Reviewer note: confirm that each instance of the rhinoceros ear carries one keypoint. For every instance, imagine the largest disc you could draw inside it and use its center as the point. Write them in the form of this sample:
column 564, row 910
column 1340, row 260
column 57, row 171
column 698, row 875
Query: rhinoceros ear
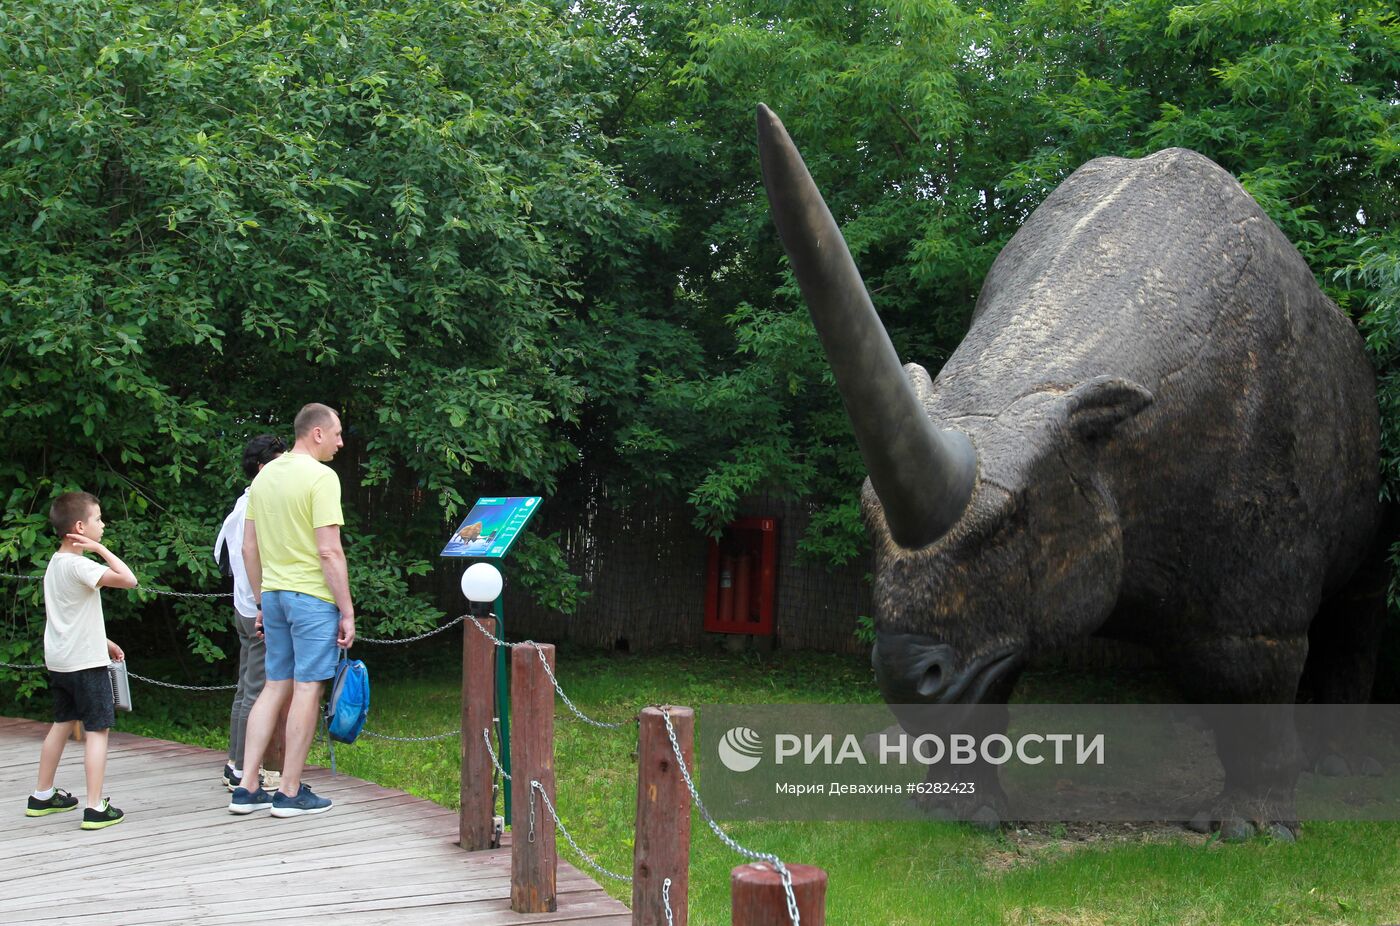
column 1098, row 406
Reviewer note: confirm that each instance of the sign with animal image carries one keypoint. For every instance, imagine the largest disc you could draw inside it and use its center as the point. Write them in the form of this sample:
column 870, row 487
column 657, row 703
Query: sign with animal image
column 491, row 527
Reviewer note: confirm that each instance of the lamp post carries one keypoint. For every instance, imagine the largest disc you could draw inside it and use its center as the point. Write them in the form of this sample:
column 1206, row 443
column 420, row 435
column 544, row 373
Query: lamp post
column 482, row 584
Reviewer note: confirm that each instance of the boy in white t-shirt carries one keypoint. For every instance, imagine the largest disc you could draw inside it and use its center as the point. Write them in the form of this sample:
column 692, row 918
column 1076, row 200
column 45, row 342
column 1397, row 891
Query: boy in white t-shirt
column 76, row 652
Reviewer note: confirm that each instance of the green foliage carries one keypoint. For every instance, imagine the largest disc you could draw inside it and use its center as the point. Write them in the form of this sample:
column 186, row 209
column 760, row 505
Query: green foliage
column 524, row 246
column 214, row 214
column 934, row 129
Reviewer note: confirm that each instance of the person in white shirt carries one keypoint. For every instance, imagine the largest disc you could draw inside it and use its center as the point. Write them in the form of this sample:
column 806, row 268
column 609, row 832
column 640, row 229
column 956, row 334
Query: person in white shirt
column 76, row 653
column 228, row 552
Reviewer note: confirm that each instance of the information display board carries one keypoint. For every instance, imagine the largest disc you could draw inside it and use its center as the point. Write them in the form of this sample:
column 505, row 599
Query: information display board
column 491, row 527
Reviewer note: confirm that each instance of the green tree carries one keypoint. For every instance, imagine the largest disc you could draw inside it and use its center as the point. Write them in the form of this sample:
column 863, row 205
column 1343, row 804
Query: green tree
column 934, row 128
column 215, row 213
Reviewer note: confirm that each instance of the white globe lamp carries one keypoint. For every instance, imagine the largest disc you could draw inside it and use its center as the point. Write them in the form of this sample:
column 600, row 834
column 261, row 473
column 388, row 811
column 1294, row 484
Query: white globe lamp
column 482, row 582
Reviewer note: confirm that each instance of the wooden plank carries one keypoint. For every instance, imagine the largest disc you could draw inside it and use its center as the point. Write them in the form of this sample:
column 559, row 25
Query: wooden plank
column 379, row 857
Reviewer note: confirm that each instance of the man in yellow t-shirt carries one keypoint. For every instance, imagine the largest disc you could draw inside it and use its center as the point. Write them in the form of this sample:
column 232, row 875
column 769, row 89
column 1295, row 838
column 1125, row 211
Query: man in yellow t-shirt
column 296, row 568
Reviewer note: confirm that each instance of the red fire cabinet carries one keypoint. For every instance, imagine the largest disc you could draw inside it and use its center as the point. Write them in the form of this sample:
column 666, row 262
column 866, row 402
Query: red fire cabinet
column 742, row 579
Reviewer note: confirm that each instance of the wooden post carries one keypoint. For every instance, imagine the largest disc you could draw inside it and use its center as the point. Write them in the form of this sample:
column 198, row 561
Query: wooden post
column 532, row 854
column 758, row 898
column 662, row 846
column 475, row 829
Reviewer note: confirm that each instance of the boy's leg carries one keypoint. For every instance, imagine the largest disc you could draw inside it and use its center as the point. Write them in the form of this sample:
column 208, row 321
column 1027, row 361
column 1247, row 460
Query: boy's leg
column 63, row 691
column 95, row 765
column 51, row 753
column 301, row 730
column 91, row 690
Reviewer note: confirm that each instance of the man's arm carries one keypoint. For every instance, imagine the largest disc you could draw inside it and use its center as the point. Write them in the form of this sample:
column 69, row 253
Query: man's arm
column 337, row 574
column 118, row 575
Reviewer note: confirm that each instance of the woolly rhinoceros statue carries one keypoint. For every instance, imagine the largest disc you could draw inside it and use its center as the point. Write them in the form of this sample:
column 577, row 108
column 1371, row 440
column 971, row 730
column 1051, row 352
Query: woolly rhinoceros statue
column 1157, row 429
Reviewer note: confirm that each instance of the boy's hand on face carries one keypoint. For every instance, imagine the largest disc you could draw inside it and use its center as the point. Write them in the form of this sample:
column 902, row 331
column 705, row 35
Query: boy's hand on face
column 83, row 542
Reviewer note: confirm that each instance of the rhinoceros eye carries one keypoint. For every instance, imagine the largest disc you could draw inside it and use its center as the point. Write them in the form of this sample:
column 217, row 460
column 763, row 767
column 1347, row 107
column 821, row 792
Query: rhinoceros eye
column 996, row 517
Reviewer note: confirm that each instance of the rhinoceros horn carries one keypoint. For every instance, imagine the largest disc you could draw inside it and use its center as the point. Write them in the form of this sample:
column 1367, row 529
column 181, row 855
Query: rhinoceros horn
column 922, row 474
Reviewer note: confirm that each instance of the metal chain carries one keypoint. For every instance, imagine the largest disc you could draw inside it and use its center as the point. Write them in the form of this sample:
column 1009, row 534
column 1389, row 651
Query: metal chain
column 138, row 588
column 411, row 739
column 152, row 681
column 422, row 636
column 11, row 665
column 536, row 786
column 167, row 591
column 550, row 672
column 577, row 713
column 488, row 635
column 723, row 836
column 666, row 900
column 486, row 736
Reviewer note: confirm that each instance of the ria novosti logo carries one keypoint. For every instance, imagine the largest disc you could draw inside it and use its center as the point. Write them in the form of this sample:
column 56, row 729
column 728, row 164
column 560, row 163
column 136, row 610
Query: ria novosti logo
column 740, row 749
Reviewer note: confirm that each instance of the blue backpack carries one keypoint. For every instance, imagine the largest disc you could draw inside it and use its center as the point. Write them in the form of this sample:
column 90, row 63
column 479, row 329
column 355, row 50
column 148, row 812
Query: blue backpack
column 349, row 703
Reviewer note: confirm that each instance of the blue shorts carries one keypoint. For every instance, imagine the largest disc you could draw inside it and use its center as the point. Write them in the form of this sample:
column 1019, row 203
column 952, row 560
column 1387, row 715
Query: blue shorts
column 300, row 631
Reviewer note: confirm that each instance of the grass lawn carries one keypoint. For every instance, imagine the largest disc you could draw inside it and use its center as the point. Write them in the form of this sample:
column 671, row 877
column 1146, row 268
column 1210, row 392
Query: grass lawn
column 880, row 873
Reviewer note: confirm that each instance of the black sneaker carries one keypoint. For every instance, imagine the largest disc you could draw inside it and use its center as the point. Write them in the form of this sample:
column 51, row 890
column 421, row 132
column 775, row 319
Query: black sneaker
column 58, row 803
column 103, row 818
column 231, row 780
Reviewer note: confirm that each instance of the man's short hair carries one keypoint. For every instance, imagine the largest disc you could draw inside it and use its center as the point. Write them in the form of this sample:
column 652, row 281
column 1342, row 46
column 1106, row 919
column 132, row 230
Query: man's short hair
column 311, row 416
column 261, row 450
column 70, row 508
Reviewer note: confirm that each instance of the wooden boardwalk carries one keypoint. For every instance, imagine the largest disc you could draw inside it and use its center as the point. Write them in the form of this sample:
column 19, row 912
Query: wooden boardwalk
column 378, row 857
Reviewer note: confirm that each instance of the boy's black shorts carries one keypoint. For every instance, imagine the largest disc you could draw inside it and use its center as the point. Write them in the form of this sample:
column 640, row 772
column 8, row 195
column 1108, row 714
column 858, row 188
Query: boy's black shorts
column 84, row 695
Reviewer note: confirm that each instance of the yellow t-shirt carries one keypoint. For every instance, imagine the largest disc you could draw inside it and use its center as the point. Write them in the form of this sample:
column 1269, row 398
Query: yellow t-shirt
column 75, row 635
column 289, row 499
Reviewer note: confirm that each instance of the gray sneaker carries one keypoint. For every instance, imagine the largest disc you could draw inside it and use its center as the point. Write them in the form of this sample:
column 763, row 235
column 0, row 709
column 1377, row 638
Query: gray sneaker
column 245, row 801
column 306, row 802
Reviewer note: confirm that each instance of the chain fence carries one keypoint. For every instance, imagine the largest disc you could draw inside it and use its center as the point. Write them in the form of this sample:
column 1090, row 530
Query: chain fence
column 486, row 735
column 550, row 672
column 137, row 588
column 422, row 636
column 724, row 837
column 412, row 739
column 535, row 787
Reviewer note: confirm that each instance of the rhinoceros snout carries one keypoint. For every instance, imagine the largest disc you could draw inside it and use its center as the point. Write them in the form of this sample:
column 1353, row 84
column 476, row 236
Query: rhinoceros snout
column 913, row 668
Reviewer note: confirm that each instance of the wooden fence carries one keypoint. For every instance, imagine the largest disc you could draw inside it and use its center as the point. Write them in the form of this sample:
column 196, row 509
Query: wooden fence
column 661, row 847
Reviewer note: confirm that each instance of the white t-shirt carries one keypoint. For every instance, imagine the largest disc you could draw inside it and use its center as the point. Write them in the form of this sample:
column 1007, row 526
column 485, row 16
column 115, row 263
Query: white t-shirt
column 231, row 536
column 75, row 635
